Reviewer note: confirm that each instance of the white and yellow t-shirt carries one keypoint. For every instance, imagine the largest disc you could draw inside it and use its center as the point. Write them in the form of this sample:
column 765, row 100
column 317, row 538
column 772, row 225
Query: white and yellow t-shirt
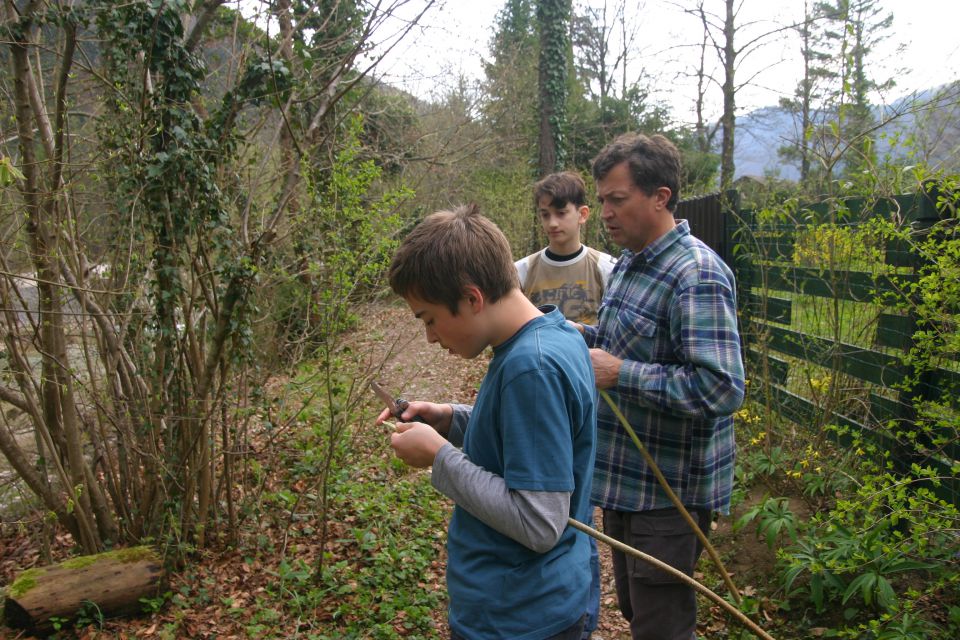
column 575, row 284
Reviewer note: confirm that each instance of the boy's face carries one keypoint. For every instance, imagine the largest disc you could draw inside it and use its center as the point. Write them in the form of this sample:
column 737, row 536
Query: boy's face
column 562, row 225
column 460, row 334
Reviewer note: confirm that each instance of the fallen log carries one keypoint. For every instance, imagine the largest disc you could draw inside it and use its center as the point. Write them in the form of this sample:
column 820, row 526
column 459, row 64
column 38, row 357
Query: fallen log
column 110, row 583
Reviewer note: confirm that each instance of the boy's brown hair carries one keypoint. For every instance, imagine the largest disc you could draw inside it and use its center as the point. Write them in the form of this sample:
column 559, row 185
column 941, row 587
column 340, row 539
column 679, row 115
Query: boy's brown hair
column 654, row 162
column 449, row 250
column 561, row 188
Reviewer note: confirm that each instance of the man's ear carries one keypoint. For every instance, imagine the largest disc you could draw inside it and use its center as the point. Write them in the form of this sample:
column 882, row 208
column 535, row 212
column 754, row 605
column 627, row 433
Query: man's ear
column 662, row 195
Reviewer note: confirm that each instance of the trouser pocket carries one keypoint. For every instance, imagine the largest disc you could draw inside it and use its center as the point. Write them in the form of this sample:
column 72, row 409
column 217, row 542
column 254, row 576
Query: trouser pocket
column 668, row 537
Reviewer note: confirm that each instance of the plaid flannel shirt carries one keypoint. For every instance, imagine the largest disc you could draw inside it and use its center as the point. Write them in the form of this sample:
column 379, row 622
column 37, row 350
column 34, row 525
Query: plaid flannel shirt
column 670, row 313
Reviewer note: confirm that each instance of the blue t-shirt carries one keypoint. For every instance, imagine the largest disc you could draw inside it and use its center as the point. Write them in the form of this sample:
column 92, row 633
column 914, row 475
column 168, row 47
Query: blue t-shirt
column 534, row 424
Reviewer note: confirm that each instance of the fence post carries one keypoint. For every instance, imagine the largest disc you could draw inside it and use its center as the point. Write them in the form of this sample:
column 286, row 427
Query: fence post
column 923, row 386
column 735, row 220
column 730, row 209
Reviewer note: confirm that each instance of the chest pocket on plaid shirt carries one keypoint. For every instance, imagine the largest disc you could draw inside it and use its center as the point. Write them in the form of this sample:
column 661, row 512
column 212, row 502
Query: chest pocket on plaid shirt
column 636, row 337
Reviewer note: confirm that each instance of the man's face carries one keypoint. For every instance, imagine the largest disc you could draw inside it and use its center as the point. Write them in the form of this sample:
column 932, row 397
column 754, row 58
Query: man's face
column 562, row 225
column 459, row 334
column 631, row 217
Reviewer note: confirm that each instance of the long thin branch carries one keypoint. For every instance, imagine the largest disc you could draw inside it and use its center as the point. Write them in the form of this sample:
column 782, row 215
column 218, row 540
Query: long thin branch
column 679, row 575
column 69, row 46
column 711, row 551
column 39, row 108
column 18, row 459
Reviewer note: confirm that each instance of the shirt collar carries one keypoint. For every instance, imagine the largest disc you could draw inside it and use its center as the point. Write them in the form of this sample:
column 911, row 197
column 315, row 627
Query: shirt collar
column 658, row 246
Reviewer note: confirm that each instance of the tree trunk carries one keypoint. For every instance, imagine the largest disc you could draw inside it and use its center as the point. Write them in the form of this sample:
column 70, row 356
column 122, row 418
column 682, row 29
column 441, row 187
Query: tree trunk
column 553, row 17
column 704, row 137
column 114, row 582
column 729, row 117
column 56, row 388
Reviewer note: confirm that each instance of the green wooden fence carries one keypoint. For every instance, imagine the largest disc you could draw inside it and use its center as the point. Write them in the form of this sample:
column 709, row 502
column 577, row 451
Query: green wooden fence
column 823, row 344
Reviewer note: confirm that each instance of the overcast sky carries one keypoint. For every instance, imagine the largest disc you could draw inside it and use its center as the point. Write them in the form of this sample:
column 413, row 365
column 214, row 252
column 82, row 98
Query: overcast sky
column 923, row 49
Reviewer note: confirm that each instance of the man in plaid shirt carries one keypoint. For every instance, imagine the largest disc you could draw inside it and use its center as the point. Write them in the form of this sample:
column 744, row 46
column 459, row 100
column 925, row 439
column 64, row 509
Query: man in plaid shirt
column 668, row 351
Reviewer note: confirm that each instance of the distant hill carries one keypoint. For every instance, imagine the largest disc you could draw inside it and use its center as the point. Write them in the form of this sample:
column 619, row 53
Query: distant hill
column 929, row 119
column 758, row 136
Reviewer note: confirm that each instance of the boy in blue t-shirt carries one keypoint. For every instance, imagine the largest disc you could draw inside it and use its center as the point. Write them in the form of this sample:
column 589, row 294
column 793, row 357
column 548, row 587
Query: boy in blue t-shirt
column 515, row 569
column 572, row 276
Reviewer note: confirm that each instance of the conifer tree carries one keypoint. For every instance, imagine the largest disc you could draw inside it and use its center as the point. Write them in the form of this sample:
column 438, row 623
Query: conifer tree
column 852, row 29
column 510, row 105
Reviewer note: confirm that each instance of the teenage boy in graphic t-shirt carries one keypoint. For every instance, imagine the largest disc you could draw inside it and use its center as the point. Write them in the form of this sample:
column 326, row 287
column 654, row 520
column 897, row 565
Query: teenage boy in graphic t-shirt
column 566, row 273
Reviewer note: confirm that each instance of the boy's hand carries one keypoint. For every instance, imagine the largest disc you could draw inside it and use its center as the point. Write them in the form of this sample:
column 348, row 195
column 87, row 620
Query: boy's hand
column 385, row 415
column 416, row 443
column 436, row 415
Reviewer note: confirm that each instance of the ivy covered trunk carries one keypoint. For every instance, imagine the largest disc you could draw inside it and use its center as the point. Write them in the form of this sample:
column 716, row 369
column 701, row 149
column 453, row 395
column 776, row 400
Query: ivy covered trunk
column 553, row 17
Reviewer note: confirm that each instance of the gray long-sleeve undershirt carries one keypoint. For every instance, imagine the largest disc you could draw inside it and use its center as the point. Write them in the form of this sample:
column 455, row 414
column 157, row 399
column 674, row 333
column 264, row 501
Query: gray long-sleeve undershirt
column 535, row 519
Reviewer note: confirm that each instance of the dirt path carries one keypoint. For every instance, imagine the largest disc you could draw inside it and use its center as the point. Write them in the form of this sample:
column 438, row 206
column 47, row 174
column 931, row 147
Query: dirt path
column 395, row 346
column 418, row 370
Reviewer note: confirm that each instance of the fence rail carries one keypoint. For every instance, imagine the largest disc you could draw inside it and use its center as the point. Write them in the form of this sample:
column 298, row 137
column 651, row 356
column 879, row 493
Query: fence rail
column 810, row 316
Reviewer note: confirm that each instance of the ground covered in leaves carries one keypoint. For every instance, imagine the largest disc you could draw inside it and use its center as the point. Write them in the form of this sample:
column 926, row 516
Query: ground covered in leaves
column 373, row 568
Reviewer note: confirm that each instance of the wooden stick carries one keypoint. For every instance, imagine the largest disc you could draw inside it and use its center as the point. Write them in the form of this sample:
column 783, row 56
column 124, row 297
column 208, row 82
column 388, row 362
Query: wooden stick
column 732, row 610
column 674, row 498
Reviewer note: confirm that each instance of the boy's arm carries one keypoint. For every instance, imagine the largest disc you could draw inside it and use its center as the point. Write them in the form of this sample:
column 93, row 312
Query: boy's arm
column 417, row 443
column 449, row 420
column 535, row 519
column 458, row 423
column 606, row 263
